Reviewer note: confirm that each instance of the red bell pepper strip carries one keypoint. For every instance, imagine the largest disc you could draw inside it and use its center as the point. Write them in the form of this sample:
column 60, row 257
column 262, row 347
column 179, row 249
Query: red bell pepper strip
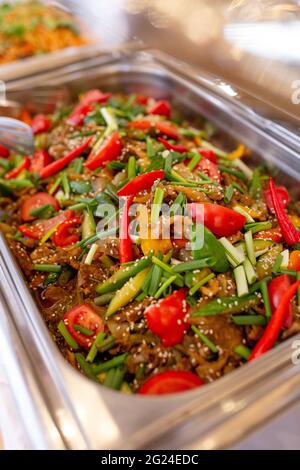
column 275, row 325
column 289, row 231
column 277, row 287
column 282, row 194
column 210, row 169
column 39, row 160
column 39, row 229
column 273, row 234
column 209, row 154
column 170, row 381
column 162, row 107
column 163, row 127
column 167, row 318
column 58, row 165
column 125, row 242
column 180, row 148
column 25, row 164
column 63, row 235
column 141, row 183
column 110, row 150
column 86, row 105
column 40, row 123
column 222, row 221
column 4, row 152
column 142, row 99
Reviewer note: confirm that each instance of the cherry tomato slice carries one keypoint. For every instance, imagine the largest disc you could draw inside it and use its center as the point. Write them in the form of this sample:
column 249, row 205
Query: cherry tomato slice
column 39, row 160
column 166, row 318
column 209, row 169
column 35, row 202
column 294, row 261
column 171, row 381
column 142, row 99
column 162, row 108
column 84, row 315
column 41, row 227
column 4, row 152
column 209, row 154
column 40, row 123
column 222, row 221
column 282, row 194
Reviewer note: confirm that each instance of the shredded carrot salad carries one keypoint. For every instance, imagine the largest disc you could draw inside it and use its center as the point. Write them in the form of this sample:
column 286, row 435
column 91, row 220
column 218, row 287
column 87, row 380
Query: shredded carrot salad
column 30, row 28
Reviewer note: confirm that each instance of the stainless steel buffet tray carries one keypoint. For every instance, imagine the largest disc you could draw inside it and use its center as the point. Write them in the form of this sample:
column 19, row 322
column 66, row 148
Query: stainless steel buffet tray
column 82, row 414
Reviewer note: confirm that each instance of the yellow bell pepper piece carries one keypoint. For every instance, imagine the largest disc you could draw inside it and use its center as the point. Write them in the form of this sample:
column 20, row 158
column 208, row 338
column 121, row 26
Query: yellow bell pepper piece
column 127, row 293
column 295, row 220
column 239, row 152
column 156, row 245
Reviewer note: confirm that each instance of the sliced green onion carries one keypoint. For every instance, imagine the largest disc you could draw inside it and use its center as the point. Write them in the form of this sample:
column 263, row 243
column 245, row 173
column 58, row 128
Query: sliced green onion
column 93, row 351
column 131, row 167
column 55, row 185
column 66, row 185
column 164, row 286
column 80, row 187
column 83, row 330
column 256, row 287
column 176, row 208
column 243, row 351
column 232, row 171
column 249, row 271
column 104, row 299
column 250, row 247
column 277, row 264
column 258, row 226
column 249, row 320
column 228, row 194
column 194, row 161
column 106, row 344
column 110, row 364
column 242, row 211
column 156, row 205
column 149, row 148
column 205, row 339
column 163, row 265
column 241, row 281
column 168, row 162
column 91, row 254
column 78, row 164
column 243, row 167
column 66, row 335
column 43, row 212
column 255, row 185
column 195, row 264
column 266, row 298
column 51, row 278
column 174, row 176
column 153, row 279
column 235, row 256
column 85, row 366
column 111, row 122
column 47, row 268
column 201, row 283
column 118, row 377
column 48, row 234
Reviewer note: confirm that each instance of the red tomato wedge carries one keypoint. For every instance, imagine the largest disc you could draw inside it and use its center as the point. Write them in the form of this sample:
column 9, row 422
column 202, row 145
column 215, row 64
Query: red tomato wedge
column 166, row 319
column 4, row 152
column 210, row 169
column 64, row 235
column 276, row 288
column 142, row 99
column 162, row 107
column 163, row 127
column 35, row 202
column 209, row 154
column 282, row 194
column 39, row 160
column 38, row 229
column 40, row 123
column 171, row 381
column 110, row 150
column 222, row 221
column 85, row 316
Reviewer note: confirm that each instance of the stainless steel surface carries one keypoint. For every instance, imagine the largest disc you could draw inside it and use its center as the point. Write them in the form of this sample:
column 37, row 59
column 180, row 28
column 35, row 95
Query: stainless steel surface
column 90, row 416
column 16, row 135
